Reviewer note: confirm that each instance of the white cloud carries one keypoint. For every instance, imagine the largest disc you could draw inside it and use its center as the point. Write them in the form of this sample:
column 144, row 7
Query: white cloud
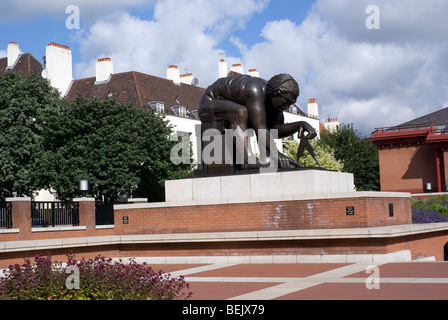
column 371, row 78
column 16, row 10
column 184, row 33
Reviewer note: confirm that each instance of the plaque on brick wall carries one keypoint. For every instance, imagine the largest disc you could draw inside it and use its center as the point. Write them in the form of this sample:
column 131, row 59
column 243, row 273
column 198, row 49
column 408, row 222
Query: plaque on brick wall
column 125, row 220
column 350, row 211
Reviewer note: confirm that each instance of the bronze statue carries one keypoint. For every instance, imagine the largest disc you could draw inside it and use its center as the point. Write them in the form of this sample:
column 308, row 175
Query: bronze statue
column 250, row 102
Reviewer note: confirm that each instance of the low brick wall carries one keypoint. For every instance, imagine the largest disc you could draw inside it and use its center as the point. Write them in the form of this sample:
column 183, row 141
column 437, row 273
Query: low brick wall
column 365, row 210
column 316, row 226
column 373, row 245
column 428, row 196
column 22, row 229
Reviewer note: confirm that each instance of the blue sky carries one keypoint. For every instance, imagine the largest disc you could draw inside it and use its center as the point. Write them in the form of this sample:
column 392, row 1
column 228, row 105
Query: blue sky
column 34, row 32
column 371, row 78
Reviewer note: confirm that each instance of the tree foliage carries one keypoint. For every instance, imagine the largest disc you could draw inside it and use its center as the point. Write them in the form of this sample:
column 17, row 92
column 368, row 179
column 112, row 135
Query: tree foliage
column 324, row 154
column 23, row 100
column 120, row 148
column 48, row 142
column 358, row 156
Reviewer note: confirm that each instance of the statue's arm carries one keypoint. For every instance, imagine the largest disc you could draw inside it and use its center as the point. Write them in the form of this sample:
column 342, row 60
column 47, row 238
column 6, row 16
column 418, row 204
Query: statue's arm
column 288, row 129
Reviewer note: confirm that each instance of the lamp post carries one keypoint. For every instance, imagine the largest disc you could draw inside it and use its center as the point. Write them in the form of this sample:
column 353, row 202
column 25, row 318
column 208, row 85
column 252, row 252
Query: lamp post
column 83, row 187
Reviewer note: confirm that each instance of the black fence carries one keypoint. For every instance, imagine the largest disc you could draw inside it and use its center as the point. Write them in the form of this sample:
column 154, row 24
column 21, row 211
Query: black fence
column 5, row 215
column 104, row 212
column 55, row 213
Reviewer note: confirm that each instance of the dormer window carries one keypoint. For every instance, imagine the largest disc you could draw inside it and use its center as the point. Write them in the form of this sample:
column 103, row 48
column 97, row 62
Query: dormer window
column 196, row 114
column 293, row 109
column 157, row 106
column 181, row 111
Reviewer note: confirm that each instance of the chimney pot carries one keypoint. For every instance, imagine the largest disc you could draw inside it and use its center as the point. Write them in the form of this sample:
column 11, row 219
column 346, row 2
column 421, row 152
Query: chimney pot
column 237, row 67
column 173, row 74
column 59, row 66
column 12, row 54
column 104, row 68
column 313, row 109
column 253, row 73
column 222, row 69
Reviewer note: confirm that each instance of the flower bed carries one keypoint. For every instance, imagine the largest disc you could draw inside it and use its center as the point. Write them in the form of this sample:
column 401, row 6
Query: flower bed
column 92, row 279
column 429, row 211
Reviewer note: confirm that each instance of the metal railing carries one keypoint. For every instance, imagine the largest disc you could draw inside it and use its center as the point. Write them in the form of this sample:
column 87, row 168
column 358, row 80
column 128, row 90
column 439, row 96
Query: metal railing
column 428, row 126
column 54, row 213
column 5, row 215
column 104, row 212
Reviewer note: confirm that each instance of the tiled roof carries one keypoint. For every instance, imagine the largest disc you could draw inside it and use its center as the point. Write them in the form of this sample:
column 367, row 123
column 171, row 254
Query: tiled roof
column 25, row 64
column 436, row 118
column 139, row 88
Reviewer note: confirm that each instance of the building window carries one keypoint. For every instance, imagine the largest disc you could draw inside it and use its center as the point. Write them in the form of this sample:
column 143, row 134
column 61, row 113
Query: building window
column 293, row 109
column 157, row 106
column 181, row 111
column 196, row 114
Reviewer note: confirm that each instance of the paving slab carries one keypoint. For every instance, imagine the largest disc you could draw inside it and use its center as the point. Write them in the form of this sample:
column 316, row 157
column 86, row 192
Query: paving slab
column 315, row 281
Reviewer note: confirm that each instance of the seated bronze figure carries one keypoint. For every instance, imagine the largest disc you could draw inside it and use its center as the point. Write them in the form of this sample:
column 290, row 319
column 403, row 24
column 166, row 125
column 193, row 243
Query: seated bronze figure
column 248, row 102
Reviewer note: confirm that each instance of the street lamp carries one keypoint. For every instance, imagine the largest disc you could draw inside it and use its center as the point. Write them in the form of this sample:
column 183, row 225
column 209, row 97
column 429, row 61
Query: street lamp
column 84, row 187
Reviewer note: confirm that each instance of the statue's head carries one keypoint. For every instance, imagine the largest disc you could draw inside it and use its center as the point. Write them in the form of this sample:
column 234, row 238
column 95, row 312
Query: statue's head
column 282, row 90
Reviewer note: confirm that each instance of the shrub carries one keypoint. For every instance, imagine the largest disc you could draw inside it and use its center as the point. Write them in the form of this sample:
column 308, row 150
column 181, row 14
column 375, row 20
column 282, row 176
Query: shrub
column 431, row 210
column 427, row 216
column 99, row 279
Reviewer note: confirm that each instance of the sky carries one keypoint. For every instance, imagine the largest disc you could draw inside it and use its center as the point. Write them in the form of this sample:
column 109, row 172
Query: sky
column 371, row 68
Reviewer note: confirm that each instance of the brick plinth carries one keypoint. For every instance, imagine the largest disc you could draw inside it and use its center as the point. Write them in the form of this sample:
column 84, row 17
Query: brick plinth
column 87, row 214
column 357, row 211
column 21, row 217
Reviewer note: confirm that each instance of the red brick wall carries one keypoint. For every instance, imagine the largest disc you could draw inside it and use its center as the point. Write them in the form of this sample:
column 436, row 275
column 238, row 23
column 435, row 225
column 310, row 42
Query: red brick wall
column 424, row 245
column 21, row 215
column 262, row 216
column 259, row 216
column 407, row 168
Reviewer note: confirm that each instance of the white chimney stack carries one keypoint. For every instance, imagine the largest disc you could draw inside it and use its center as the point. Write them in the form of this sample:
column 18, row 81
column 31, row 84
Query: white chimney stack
column 59, row 66
column 173, row 74
column 186, row 78
column 331, row 124
column 13, row 53
column 253, row 73
column 222, row 68
column 238, row 68
column 104, row 69
column 313, row 109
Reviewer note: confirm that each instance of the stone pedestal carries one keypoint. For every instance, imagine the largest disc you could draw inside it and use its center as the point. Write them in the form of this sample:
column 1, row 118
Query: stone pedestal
column 259, row 185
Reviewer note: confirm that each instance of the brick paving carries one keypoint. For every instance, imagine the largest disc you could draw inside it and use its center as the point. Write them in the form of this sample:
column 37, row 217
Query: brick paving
column 332, row 281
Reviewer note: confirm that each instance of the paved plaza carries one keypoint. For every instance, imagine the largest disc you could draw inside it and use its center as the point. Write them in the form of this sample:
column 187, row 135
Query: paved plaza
column 309, row 281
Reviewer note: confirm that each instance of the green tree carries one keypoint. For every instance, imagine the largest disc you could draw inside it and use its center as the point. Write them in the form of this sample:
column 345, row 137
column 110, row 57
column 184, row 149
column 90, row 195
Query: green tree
column 23, row 100
column 358, row 156
column 120, row 148
column 324, row 153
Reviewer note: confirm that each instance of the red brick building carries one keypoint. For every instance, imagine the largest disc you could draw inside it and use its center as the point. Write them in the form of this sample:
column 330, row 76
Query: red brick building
column 413, row 156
